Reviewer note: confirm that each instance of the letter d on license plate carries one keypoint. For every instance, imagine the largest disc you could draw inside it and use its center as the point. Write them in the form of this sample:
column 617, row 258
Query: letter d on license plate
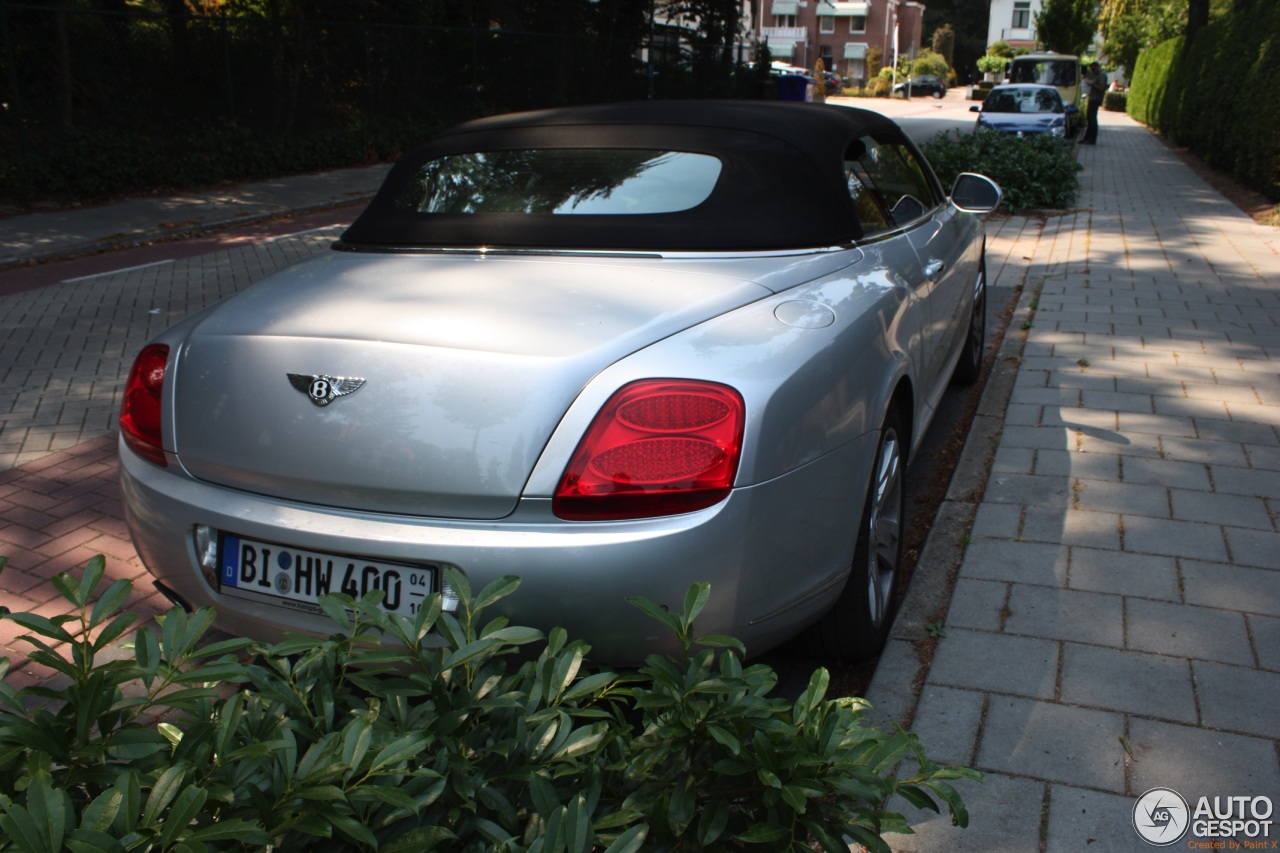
column 296, row 577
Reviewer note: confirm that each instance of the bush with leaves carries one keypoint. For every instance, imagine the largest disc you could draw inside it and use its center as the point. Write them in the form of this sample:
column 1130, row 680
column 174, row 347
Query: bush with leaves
column 992, row 63
column 433, row 732
column 1037, row 172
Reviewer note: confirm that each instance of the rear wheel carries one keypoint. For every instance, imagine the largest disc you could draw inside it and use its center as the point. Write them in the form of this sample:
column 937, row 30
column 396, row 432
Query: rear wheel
column 857, row 627
column 970, row 366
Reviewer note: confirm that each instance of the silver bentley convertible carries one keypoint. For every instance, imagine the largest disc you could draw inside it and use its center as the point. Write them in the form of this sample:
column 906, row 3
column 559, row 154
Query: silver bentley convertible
column 613, row 350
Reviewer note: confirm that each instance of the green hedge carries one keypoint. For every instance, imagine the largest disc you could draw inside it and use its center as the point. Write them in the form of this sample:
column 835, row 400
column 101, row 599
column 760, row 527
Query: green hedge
column 1038, row 172
column 1219, row 98
column 462, row 733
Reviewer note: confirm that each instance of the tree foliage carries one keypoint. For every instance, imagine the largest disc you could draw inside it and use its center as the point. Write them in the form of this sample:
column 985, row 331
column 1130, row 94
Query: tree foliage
column 1178, row 90
column 944, row 43
column 1130, row 26
column 968, row 20
column 929, row 63
column 1067, row 26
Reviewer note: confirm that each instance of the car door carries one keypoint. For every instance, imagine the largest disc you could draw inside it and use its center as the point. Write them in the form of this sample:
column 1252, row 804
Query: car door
column 915, row 204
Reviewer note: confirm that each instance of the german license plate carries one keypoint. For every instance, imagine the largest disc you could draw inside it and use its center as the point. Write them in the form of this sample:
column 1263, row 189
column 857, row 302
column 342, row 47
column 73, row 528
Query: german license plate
column 296, row 577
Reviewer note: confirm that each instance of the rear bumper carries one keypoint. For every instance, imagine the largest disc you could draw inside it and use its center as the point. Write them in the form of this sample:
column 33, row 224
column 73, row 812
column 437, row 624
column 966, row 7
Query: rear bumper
column 775, row 554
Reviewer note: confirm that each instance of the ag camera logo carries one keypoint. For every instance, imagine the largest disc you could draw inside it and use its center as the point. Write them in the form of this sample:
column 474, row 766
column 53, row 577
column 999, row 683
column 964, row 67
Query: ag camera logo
column 1160, row 817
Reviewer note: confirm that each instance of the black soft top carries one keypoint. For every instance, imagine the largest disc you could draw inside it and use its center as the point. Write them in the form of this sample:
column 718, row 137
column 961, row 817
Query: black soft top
column 781, row 185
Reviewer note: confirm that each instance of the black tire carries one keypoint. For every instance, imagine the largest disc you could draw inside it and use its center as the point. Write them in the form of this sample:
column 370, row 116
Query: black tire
column 969, row 367
column 858, row 626
column 937, row 93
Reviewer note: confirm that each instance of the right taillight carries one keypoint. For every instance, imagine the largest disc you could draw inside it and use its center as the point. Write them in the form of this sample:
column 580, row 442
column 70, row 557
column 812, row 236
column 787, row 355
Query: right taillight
column 140, row 414
column 658, row 447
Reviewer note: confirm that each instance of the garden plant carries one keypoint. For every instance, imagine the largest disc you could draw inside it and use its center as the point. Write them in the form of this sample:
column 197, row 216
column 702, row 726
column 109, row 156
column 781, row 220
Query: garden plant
column 447, row 730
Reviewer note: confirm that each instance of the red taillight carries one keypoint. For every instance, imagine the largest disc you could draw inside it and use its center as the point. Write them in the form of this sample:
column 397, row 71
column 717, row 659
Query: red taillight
column 658, row 447
column 140, row 412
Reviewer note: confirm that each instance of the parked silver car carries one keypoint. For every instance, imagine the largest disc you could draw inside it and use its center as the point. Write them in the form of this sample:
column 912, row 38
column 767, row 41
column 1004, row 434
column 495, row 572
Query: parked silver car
column 613, row 350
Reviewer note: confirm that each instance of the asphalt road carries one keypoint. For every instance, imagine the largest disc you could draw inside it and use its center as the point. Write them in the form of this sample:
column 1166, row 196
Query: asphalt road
column 922, row 118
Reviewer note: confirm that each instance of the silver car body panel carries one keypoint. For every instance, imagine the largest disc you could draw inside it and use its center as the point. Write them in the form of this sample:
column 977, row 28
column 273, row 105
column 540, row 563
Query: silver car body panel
column 468, row 363
column 767, row 578
column 815, row 393
column 482, row 371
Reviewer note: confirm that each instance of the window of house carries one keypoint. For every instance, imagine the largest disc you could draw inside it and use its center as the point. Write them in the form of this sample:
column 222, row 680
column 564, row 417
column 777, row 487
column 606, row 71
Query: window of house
column 826, row 24
column 1021, row 14
column 858, row 24
column 784, row 20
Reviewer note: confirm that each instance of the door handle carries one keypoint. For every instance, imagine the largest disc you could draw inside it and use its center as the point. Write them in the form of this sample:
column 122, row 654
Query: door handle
column 933, row 269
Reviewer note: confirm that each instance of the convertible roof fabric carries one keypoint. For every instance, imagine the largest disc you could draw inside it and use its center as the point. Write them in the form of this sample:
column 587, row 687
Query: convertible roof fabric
column 781, row 185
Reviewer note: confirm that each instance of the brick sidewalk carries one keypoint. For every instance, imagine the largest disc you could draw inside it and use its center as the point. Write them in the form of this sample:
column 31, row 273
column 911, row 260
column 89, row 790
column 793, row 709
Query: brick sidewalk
column 57, row 513
column 1111, row 532
column 66, row 351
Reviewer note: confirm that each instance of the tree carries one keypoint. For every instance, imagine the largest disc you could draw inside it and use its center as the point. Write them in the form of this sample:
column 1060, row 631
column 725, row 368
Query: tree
column 929, row 64
column 944, row 43
column 1197, row 17
column 875, row 61
column 1067, row 26
column 1130, row 26
column 968, row 20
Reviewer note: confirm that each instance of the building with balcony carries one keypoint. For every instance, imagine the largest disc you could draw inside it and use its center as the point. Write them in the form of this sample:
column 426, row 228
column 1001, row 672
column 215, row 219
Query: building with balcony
column 840, row 34
column 1013, row 21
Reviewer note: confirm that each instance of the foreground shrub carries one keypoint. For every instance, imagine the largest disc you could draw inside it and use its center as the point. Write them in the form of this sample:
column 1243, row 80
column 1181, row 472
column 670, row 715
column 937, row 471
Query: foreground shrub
column 473, row 744
column 1036, row 172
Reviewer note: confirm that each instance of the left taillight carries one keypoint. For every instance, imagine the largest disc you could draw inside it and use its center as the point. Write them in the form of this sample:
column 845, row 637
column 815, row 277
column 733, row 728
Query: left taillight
column 140, row 414
column 657, row 447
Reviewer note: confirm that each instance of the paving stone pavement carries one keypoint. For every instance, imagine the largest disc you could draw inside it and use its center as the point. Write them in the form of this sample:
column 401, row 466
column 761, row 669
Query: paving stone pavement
column 65, row 353
column 1111, row 532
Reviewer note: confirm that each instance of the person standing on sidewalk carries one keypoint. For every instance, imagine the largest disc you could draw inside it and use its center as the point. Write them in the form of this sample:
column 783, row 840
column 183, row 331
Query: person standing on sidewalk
column 1096, row 80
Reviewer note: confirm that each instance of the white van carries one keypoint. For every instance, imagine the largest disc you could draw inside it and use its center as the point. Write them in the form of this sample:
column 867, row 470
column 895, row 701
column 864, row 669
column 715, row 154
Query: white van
column 1060, row 70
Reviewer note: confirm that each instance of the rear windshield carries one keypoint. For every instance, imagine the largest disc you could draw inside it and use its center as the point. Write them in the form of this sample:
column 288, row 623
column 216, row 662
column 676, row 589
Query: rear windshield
column 561, row 181
column 1046, row 72
column 1023, row 101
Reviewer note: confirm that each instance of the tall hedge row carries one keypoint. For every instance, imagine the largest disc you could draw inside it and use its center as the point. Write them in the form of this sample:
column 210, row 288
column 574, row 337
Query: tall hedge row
column 1219, row 98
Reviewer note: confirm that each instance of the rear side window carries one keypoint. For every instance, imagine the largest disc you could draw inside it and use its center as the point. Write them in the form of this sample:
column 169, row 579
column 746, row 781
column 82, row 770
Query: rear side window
column 891, row 175
column 562, row 181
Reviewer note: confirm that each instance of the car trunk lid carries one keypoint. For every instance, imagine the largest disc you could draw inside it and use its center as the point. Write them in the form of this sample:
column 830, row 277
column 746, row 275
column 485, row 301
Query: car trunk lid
column 466, row 364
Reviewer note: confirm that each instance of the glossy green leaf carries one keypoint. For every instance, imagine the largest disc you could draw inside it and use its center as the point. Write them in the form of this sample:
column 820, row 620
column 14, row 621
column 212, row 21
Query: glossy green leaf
column 84, row 840
column 418, row 839
column 657, row 611
column 352, row 829
column 42, row 626
column 763, row 833
column 630, row 841
column 108, row 603
column 186, row 806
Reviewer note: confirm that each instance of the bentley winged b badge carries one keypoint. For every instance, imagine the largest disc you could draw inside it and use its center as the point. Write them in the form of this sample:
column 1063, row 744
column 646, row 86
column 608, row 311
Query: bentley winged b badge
column 322, row 389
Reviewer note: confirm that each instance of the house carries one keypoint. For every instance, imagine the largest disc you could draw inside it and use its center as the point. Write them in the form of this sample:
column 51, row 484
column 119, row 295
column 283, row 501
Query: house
column 1013, row 21
column 803, row 31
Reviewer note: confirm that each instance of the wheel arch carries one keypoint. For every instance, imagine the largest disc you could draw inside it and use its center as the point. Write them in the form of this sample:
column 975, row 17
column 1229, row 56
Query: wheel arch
column 902, row 403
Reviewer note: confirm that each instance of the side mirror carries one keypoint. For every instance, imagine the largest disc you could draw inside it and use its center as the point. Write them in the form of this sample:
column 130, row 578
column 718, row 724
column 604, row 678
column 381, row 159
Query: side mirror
column 976, row 193
column 1071, row 108
column 975, row 109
